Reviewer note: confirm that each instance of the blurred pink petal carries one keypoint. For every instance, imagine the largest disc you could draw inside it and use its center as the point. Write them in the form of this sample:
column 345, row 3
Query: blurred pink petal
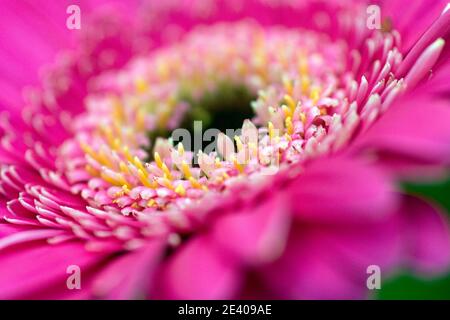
column 404, row 138
column 427, row 238
column 259, row 233
column 341, row 190
column 114, row 283
column 38, row 271
column 198, row 271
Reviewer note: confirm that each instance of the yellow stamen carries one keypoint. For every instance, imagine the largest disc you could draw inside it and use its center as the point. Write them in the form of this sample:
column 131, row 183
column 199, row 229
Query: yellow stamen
column 289, row 125
column 239, row 144
column 288, row 137
column 118, row 114
column 305, row 83
column 303, row 65
column 116, row 144
column 237, row 165
column 104, row 160
column 141, row 85
column 158, row 160
column 315, row 95
column 138, row 163
column 166, row 183
column 302, row 117
column 117, row 127
column 186, row 170
column 287, row 85
column 180, row 149
column 166, row 171
column 287, row 112
column 290, row 102
column 140, row 119
column 119, row 180
column 99, row 157
column 127, row 154
column 125, row 189
column 117, row 195
column 180, row 190
column 218, row 164
column 143, row 178
column 195, row 183
column 107, row 133
column 124, row 168
column 271, row 130
column 92, row 172
column 253, row 148
column 163, row 70
column 88, row 150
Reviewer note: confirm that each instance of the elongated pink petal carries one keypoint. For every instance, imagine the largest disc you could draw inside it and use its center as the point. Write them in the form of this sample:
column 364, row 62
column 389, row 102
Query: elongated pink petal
column 38, row 271
column 256, row 233
column 427, row 237
column 197, row 271
column 313, row 268
column 424, row 63
column 415, row 130
column 335, row 262
column 440, row 28
column 341, row 190
column 28, row 236
column 115, row 283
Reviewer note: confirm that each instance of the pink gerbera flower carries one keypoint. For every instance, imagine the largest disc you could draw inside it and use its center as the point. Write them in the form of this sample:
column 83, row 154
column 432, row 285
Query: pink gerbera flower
column 299, row 203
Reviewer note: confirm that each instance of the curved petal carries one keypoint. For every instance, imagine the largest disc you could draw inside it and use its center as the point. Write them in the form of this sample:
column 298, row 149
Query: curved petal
column 197, row 271
column 128, row 276
column 302, row 272
column 39, row 270
column 257, row 233
column 333, row 262
column 34, row 36
column 427, row 237
column 333, row 17
column 413, row 133
column 341, row 190
column 413, row 18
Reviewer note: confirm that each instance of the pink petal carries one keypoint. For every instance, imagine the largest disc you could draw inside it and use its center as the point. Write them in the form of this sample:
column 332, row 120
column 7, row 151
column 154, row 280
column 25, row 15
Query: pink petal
column 425, row 62
column 38, row 271
column 197, row 271
column 427, row 237
column 414, row 131
column 256, row 233
column 128, row 276
column 34, row 34
column 28, row 236
column 439, row 81
column 331, row 262
column 430, row 23
column 341, row 190
column 308, row 270
column 7, row 229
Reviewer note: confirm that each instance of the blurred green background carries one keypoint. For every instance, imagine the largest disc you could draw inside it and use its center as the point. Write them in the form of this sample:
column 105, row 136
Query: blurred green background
column 405, row 285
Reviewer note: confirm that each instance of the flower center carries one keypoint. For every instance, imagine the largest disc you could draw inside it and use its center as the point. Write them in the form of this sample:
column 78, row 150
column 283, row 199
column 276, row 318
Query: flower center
column 289, row 104
column 221, row 108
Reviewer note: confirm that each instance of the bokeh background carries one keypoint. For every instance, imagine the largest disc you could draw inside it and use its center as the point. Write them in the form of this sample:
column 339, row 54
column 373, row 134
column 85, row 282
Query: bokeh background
column 405, row 285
